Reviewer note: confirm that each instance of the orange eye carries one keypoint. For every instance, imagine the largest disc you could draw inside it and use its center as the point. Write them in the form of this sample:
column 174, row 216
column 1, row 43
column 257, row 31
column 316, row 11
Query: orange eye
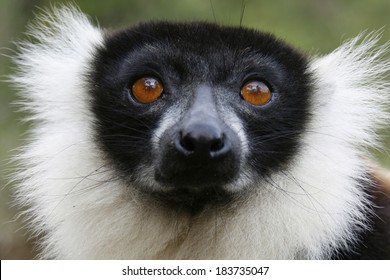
column 256, row 92
column 147, row 90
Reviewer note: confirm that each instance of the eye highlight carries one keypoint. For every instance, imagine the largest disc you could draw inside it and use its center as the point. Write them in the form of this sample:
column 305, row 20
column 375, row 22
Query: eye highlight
column 147, row 89
column 256, row 92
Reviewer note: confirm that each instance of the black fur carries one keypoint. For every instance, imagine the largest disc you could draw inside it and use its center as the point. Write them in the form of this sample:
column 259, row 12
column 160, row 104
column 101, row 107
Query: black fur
column 185, row 56
column 372, row 243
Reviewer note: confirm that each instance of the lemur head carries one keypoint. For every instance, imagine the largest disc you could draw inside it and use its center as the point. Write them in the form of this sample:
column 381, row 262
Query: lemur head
column 196, row 113
column 194, row 140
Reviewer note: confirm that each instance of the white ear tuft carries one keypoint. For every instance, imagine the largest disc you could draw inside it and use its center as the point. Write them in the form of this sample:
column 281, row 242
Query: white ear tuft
column 51, row 65
column 353, row 91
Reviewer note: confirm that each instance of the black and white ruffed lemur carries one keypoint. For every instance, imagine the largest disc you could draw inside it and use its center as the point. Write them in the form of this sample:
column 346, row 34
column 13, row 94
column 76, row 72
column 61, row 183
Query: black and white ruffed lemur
column 199, row 141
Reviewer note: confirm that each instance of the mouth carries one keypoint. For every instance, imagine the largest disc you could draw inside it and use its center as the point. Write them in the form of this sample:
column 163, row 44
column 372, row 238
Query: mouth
column 191, row 182
column 193, row 200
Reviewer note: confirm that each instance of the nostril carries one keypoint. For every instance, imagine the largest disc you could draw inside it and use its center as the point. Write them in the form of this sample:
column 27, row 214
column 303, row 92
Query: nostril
column 187, row 142
column 217, row 144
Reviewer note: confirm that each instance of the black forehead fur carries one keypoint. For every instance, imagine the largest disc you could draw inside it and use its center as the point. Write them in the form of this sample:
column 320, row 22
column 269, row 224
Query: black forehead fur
column 184, row 54
column 200, row 43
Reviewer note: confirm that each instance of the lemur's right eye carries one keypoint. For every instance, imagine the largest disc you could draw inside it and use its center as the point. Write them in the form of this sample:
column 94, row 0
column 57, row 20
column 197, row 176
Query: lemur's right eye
column 256, row 92
column 147, row 89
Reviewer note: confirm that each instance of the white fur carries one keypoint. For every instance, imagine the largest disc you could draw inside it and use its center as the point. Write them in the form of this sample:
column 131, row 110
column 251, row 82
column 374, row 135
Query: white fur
column 84, row 211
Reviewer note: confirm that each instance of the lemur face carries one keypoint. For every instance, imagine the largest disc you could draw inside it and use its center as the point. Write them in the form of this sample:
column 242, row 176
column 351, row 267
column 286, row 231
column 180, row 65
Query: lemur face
column 195, row 114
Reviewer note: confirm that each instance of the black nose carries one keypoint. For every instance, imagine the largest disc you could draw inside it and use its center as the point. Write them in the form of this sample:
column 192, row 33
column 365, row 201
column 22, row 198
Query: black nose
column 202, row 139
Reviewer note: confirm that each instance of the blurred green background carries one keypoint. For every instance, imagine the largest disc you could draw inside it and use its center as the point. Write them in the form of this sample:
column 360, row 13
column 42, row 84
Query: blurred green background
column 315, row 26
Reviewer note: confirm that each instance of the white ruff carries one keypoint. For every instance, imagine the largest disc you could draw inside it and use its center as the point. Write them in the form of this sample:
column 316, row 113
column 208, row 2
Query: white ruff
column 85, row 212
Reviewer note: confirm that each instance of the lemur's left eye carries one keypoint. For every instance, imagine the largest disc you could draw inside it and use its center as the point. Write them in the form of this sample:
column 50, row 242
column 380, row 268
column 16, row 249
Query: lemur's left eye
column 256, row 92
column 147, row 89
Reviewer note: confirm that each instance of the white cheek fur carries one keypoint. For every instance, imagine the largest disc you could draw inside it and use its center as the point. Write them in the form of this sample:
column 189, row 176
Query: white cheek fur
column 84, row 211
